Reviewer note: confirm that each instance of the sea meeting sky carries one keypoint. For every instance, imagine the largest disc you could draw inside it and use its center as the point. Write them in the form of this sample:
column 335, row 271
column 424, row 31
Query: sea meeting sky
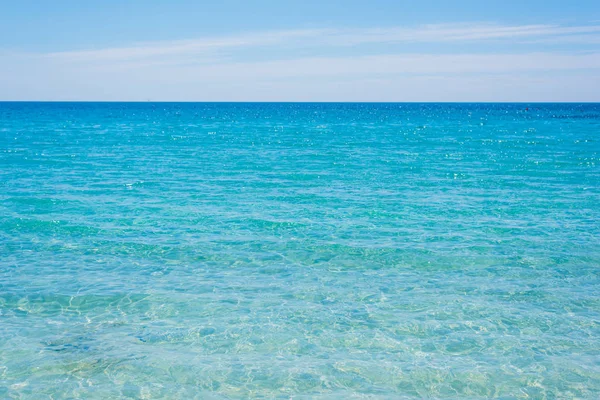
column 309, row 50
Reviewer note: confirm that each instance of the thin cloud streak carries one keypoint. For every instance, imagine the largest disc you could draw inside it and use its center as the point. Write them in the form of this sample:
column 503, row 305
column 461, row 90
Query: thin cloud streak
column 307, row 68
column 393, row 64
column 188, row 46
column 324, row 38
column 455, row 33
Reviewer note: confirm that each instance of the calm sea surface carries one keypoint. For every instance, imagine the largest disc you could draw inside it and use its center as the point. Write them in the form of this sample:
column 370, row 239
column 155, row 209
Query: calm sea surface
column 214, row 251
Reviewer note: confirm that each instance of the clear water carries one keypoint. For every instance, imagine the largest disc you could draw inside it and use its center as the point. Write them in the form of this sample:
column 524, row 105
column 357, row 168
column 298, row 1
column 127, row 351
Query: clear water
column 220, row 251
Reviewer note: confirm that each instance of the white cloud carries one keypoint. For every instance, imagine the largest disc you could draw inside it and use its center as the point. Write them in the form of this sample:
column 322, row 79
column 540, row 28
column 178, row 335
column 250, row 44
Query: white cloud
column 324, row 38
column 453, row 33
column 396, row 64
column 220, row 68
column 192, row 46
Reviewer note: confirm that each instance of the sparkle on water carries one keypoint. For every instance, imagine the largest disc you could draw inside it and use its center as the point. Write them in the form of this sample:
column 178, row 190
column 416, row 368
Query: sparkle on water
column 299, row 250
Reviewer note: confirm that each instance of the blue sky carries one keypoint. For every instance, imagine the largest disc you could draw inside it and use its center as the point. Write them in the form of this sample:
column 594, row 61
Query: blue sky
column 231, row 50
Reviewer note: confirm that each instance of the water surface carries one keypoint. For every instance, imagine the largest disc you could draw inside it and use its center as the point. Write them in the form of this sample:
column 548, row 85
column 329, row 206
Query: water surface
column 214, row 251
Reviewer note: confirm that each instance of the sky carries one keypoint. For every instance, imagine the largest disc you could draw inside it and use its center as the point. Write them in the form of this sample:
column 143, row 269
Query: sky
column 266, row 50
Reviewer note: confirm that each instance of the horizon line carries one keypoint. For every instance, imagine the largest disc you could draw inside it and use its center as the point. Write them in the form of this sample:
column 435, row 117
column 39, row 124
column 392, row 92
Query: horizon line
column 299, row 102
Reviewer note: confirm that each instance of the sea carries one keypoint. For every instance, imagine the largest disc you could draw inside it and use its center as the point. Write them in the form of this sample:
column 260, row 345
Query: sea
column 299, row 251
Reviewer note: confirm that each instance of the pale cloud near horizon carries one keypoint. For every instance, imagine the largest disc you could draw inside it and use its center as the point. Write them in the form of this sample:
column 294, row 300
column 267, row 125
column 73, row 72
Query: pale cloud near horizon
column 322, row 64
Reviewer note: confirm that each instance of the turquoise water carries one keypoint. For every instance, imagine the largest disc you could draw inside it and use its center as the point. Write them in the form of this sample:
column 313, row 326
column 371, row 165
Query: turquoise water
column 301, row 251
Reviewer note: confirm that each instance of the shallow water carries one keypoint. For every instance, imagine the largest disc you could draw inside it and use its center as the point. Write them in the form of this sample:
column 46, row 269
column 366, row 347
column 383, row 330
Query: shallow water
column 216, row 251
